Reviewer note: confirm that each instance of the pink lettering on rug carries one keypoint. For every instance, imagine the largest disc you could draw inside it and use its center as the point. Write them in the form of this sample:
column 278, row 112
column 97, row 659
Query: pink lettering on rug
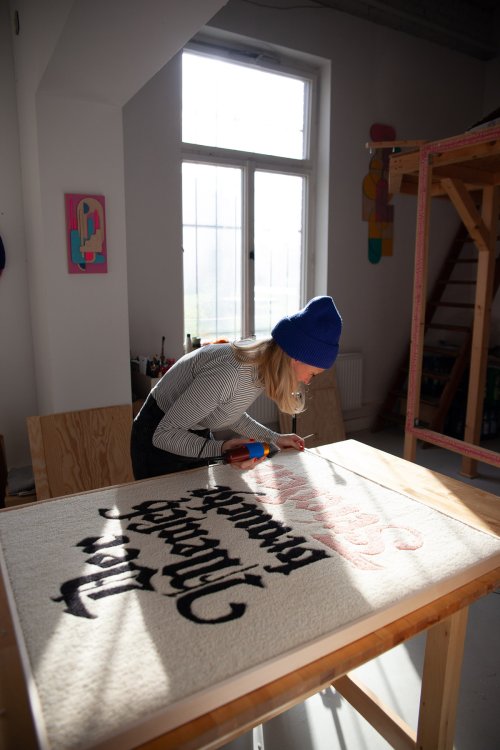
column 359, row 537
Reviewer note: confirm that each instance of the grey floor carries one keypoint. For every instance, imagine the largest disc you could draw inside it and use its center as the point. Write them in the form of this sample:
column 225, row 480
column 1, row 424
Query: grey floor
column 327, row 722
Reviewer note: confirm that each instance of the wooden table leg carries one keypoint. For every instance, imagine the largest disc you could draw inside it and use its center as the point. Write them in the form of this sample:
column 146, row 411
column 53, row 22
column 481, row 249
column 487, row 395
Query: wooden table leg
column 16, row 724
column 441, row 683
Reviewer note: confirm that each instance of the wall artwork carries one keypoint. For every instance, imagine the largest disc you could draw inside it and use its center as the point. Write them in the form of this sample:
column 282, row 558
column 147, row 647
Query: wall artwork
column 377, row 210
column 86, row 233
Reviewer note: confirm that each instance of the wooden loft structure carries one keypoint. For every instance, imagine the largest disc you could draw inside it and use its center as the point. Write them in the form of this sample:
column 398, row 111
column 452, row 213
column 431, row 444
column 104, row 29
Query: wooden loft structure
column 465, row 169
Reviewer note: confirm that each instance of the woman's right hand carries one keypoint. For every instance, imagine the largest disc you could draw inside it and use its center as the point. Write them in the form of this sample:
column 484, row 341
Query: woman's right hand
column 233, row 443
column 251, row 463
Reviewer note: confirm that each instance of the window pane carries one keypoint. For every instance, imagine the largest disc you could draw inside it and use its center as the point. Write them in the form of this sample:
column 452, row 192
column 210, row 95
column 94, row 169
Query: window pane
column 278, row 247
column 241, row 107
column 212, row 237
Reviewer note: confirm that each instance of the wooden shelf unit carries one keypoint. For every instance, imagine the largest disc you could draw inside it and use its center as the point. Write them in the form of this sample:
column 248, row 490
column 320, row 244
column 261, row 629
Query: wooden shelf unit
column 449, row 314
column 466, row 169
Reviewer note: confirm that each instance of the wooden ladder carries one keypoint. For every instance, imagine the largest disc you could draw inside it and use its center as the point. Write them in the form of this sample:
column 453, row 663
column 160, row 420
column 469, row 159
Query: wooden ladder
column 444, row 363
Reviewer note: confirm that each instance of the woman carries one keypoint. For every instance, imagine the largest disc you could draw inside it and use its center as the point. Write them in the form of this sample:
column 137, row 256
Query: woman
column 210, row 389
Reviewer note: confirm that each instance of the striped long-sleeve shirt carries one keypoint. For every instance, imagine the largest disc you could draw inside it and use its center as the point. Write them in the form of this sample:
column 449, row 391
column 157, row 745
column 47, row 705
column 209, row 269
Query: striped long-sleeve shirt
column 208, row 388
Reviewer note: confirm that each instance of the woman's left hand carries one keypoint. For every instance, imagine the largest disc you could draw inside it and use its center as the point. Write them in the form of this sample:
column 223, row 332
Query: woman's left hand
column 290, row 441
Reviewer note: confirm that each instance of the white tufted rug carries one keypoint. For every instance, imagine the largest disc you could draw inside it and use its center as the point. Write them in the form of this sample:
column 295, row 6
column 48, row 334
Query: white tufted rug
column 142, row 607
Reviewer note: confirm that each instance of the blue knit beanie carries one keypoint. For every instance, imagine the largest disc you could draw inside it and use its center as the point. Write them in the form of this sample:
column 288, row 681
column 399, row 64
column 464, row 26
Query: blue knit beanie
column 311, row 335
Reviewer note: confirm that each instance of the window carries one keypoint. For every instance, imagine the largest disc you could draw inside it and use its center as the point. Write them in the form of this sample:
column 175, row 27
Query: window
column 246, row 186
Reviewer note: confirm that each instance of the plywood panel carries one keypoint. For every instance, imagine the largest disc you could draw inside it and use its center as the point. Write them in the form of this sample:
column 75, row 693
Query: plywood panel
column 81, row 450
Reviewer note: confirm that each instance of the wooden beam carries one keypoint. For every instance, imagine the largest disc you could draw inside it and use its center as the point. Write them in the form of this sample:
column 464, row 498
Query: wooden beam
column 468, row 212
column 481, row 330
column 408, row 164
column 397, row 732
column 441, row 683
column 395, row 182
column 467, row 153
column 393, row 144
column 475, row 452
column 419, row 302
column 408, row 185
column 465, row 140
column 467, row 175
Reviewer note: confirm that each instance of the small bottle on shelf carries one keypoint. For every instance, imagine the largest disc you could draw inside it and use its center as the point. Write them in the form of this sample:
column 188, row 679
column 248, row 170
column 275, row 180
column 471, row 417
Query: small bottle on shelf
column 188, row 345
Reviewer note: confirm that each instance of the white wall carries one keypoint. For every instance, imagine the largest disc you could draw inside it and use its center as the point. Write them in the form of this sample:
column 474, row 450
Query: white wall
column 375, row 75
column 80, row 322
column 152, row 133
column 76, row 63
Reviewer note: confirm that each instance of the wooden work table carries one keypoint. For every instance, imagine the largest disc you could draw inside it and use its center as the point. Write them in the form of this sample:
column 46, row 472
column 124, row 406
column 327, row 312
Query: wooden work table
column 444, row 618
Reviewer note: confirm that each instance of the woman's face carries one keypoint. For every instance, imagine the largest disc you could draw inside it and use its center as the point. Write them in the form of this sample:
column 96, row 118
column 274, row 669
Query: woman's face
column 305, row 373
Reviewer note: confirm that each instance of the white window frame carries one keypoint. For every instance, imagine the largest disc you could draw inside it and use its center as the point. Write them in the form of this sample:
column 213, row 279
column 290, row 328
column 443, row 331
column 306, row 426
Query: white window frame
column 250, row 162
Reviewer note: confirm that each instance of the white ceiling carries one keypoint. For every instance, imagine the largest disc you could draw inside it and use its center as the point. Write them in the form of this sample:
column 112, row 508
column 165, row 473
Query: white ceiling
column 468, row 26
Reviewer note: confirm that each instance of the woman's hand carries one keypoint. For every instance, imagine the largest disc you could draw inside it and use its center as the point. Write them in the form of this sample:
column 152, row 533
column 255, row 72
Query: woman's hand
column 227, row 445
column 290, row 441
column 241, row 465
column 284, row 441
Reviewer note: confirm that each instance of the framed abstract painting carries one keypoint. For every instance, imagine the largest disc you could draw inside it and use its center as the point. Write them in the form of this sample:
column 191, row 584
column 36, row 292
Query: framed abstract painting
column 86, row 233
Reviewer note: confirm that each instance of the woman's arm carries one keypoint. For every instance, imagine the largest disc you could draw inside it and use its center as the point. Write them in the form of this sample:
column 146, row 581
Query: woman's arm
column 200, row 399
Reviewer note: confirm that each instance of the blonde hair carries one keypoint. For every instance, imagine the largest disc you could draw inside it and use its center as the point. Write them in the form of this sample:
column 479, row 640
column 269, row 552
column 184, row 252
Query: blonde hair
column 274, row 372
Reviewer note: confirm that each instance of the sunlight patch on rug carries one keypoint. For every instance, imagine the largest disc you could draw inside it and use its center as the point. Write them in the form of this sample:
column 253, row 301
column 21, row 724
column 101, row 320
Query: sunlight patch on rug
column 144, row 606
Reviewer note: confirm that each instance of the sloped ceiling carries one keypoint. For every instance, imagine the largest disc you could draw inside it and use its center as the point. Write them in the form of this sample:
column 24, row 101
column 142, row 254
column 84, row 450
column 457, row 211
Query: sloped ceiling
column 108, row 50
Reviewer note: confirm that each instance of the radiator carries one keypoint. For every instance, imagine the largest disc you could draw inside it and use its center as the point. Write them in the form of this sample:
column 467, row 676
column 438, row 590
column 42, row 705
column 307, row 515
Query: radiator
column 349, row 371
